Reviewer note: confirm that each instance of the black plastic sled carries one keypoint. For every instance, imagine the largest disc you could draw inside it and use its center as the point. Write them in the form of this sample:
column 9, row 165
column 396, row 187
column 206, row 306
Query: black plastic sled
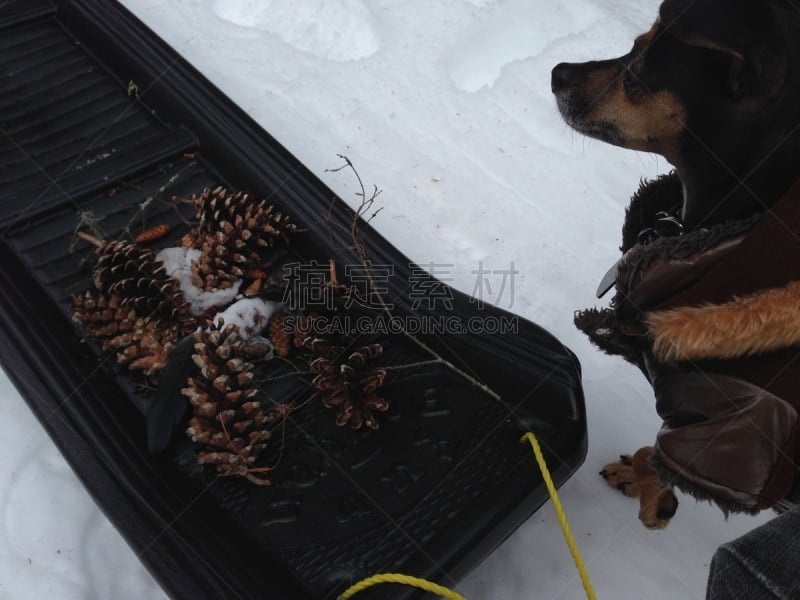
column 101, row 123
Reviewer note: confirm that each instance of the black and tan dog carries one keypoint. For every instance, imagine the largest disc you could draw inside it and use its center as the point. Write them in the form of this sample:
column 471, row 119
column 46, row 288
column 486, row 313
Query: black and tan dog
column 714, row 87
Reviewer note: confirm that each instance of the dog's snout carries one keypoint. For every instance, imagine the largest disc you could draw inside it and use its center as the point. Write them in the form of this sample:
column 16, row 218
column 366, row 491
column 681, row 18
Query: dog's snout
column 564, row 75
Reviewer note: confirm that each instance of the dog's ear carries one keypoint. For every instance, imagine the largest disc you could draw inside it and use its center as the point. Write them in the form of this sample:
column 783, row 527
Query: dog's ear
column 732, row 26
column 744, row 30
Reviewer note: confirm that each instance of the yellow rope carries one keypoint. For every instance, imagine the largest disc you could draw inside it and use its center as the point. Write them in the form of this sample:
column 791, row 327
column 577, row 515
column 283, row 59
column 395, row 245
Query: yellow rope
column 429, row 586
column 423, row 584
column 562, row 517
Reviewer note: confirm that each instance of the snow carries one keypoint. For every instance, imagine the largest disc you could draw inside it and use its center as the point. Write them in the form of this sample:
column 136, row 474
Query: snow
column 336, row 30
column 446, row 106
column 249, row 315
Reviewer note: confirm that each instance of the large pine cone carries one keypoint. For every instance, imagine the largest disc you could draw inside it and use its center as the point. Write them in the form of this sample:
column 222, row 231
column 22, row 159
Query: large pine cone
column 138, row 310
column 228, row 420
column 142, row 283
column 236, row 233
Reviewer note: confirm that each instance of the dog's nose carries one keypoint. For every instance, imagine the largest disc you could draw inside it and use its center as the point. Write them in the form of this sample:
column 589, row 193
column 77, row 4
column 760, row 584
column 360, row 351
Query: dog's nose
column 564, row 75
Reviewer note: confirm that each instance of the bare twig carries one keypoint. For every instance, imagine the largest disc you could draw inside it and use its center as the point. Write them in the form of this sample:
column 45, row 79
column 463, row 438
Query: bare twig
column 364, row 207
column 360, row 248
column 285, row 375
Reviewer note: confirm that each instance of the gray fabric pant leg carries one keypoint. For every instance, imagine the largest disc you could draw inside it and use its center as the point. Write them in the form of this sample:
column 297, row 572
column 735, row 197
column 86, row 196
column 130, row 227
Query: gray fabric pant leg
column 763, row 564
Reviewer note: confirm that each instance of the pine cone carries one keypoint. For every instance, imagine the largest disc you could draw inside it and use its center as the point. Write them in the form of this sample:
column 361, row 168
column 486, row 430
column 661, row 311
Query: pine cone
column 142, row 283
column 141, row 344
column 346, row 385
column 281, row 339
column 104, row 316
column 138, row 310
column 286, row 339
column 302, row 337
column 228, row 421
column 146, row 348
column 220, row 210
column 217, row 268
column 236, row 233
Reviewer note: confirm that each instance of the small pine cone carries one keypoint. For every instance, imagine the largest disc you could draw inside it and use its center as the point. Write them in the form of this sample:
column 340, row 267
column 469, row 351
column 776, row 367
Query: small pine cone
column 286, row 338
column 302, row 332
column 347, row 386
column 281, row 338
column 228, row 421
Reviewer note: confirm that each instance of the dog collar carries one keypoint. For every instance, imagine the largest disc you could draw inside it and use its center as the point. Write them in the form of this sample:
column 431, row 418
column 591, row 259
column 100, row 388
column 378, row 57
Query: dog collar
column 666, row 225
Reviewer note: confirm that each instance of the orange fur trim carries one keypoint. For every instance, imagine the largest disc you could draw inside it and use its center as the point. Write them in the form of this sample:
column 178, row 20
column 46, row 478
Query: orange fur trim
column 761, row 322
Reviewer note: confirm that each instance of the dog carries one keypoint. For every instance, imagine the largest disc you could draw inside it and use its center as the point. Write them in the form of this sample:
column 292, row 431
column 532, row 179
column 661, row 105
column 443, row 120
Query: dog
column 713, row 87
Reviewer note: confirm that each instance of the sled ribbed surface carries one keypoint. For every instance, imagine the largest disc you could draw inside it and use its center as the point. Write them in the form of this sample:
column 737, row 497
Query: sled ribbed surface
column 96, row 137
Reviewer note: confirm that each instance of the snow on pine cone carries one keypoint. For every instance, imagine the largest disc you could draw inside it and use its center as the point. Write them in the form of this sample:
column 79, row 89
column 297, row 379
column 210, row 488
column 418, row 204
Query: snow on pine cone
column 236, row 234
column 228, row 421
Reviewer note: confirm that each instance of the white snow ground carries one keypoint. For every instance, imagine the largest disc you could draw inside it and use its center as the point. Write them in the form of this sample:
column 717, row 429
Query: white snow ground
column 446, row 106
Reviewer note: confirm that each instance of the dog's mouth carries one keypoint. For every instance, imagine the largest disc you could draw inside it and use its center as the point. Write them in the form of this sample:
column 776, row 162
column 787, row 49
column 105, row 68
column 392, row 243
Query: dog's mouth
column 573, row 113
column 602, row 130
